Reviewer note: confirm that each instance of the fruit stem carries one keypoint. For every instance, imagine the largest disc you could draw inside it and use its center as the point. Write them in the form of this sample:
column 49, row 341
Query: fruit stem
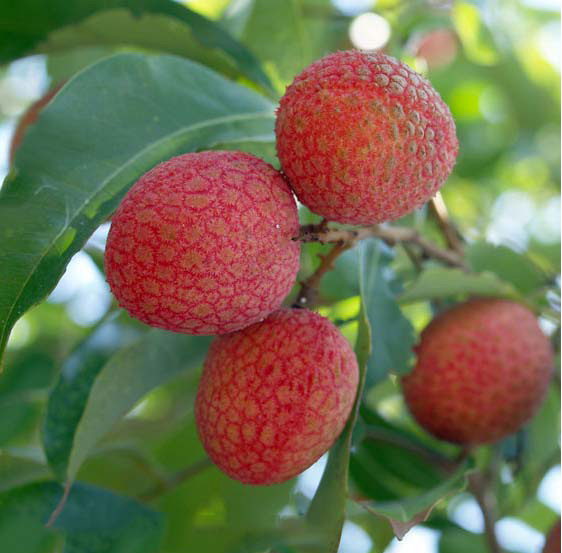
column 392, row 235
column 308, row 293
column 480, row 485
column 438, row 210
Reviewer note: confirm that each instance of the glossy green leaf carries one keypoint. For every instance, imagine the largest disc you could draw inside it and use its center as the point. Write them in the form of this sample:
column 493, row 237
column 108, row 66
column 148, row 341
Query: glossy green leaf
column 434, row 283
column 40, row 27
column 457, row 540
column 125, row 379
column 16, row 471
column 389, row 462
column 93, row 520
column 507, row 264
column 405, row 513
column 68, row 398
column 392, row 334
column 105, row 128
column 276, row 31
column 326, row 512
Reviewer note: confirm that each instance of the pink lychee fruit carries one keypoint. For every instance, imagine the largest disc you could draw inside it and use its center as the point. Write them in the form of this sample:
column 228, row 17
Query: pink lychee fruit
column 202, row 243
column 274, row 396
column 437, row 47
column 483, row 368
column 363, row 138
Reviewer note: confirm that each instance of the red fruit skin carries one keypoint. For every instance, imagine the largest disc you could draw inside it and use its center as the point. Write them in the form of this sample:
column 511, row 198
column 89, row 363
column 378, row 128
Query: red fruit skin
column 29, row 118
column 274, row 396
column 363, row 138
column 438, row 47
column 552, row 544
column 482, row 371
column 202, row 243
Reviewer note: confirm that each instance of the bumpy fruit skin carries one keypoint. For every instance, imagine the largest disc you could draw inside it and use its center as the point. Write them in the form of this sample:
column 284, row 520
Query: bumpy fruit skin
column 274, row 396
column 202, row 244
column 552, row 544
column 363, row 138
column 483, row 368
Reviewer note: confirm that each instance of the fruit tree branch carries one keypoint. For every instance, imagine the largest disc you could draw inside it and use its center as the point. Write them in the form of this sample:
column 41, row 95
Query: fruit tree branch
column 439, row 212
column 390, row 235
column 480, row 485
column 309, row 288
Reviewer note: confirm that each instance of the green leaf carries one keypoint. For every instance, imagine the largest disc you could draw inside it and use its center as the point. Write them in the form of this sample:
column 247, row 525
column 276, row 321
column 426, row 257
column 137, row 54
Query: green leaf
column 68, row 398
column 434, row 283
column 154, row 24
column 392, row 334
column 276, row 31
column 326, row 512
column 16, row 471
column 476, row 38
column 403, row 514
column 457, row 540
column 104, row 129
column 390, row 462
column 506, row 264
column 93, row 520
column 122, row 382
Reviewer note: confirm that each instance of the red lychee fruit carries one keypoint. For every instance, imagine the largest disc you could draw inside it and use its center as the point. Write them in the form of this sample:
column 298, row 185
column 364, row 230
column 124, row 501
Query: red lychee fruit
column 29, row 118
column 438, row 47
column 552, row 544
column 274, row 396
column 363, row 138
column 483, row 368
column 202, row 243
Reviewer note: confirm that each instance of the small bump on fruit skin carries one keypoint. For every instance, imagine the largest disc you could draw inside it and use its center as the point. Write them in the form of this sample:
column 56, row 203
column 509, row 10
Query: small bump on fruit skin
column 483, row 368
column 202, row 243
column 274, row 396
column 363, row 138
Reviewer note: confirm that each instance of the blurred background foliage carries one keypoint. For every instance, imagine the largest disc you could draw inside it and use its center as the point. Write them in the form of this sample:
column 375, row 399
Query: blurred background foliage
column 497, row 65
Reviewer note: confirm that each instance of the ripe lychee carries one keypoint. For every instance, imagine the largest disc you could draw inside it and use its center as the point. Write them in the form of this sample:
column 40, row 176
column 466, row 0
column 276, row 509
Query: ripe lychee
column 483, row 368
column 438, row 47
column 363, row 138
column 274, row 396
column 202, row 243
column 552, row 544
column 29, row 118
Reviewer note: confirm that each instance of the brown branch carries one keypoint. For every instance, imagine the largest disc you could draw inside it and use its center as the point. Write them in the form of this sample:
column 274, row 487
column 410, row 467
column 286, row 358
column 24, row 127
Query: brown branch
column 480, row 485
column 175, row 480
column 308, row 294
column 438, row 210
column 60, row 505
column 390, row 234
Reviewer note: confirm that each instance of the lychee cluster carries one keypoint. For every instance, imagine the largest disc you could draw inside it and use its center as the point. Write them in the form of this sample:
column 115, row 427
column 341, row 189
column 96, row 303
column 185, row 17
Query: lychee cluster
column 206, row 243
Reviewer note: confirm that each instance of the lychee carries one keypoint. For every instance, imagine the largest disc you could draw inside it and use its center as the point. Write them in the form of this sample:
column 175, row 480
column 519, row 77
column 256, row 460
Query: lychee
column 363, row 138
column 274, row 396
column 202, row 243
column 483, row 368
column 552, row 544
